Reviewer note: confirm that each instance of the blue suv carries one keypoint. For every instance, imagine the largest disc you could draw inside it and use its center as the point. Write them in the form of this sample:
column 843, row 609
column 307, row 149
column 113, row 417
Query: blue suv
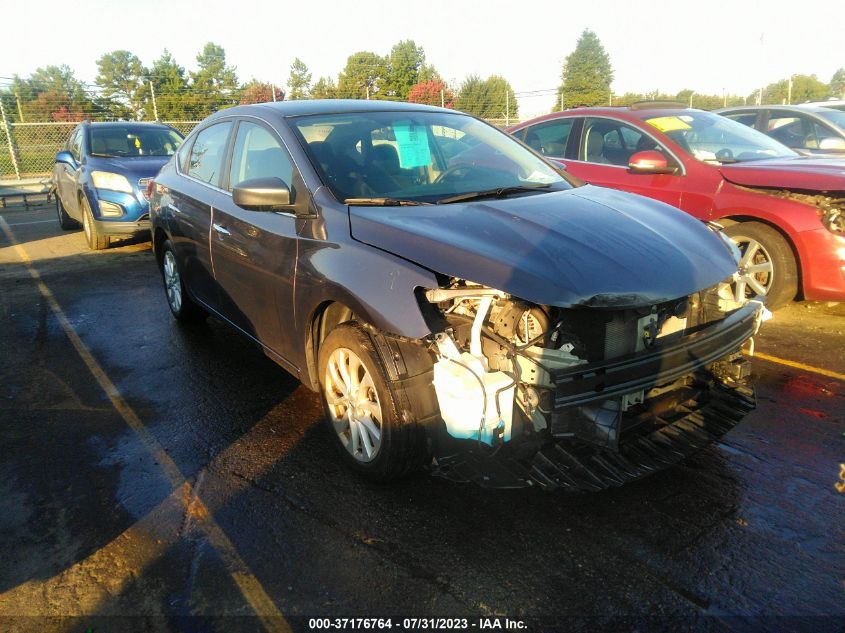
column 100, row 178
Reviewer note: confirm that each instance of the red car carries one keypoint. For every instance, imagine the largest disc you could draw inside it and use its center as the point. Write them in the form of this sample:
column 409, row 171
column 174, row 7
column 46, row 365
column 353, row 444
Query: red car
column 785, row 212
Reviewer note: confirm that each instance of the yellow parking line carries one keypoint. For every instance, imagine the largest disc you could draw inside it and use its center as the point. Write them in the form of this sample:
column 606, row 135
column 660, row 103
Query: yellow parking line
column 801, row 366
column 240, row 572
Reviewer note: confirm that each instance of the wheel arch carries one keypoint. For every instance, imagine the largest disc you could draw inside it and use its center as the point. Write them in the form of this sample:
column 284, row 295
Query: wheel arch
column 730, row 219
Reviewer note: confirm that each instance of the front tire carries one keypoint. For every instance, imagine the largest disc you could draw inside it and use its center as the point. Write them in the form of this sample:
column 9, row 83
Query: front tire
column 363, row 408
column 180, row 303
column 767, row 266
column 96, row 240
column 66, row 222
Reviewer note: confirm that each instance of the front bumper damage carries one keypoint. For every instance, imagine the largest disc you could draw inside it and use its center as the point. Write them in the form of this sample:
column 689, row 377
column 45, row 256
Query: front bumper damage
column 590, row 446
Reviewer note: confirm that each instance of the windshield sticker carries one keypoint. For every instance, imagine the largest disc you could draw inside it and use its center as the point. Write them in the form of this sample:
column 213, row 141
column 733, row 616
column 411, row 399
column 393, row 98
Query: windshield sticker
column 669, row 123
column 413, row 145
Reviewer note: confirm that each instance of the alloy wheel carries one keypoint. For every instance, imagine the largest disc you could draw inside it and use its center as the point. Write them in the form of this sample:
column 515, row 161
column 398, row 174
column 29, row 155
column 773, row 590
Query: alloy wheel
column 172, row 282
column 353, row 404
column 756, row 271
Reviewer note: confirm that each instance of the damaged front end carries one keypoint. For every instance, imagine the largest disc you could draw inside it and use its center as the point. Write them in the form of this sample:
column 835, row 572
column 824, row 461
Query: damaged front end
column 583, row 398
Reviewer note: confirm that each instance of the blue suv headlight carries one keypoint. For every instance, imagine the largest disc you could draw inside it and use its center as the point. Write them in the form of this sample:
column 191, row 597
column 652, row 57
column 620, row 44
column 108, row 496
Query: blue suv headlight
column 110, row 181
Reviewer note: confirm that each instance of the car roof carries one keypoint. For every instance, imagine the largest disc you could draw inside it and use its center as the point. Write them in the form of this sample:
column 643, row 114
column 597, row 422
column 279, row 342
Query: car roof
column 638, row 113
column 798, row 107
column 125, row 123
column 305, row 107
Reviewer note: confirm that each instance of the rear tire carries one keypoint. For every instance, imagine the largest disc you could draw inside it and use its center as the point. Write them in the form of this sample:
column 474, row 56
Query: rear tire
column 66, row 222
column 96, row 240
column 767, row 264
column 180, row 303
column 364, row 410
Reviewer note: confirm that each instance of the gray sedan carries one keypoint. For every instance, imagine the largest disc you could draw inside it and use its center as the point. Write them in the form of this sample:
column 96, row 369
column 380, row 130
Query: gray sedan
column 808, row 129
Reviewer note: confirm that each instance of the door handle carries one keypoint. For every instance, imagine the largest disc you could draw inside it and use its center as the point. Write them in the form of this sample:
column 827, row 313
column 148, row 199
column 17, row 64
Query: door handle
column 220, row 229
column 174, row 208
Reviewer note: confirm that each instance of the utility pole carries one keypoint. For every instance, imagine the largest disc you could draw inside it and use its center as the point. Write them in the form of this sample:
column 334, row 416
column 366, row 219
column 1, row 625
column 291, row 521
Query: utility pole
column 724, row 98
column 610, row 99
column 273, row 88
column 9, row 140
column 368, row 92
column 507, row 108
column 789, row 91
column 153, row 94
column 20, row 111
column 690, row 98
column 561, row 100
column 442, row 99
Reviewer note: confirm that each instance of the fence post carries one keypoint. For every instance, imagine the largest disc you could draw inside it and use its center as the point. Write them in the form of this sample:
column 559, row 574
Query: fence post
column 8, row 130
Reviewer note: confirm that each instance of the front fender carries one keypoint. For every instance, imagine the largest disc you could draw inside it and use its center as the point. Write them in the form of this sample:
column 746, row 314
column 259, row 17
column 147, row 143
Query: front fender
column 377, row 286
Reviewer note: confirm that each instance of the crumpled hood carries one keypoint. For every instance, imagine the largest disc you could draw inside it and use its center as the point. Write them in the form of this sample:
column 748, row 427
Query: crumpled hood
column 133, row 168
column 585, row 246
column 804, row 173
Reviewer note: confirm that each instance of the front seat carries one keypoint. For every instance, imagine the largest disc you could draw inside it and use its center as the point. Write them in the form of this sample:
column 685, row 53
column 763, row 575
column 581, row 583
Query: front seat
column 595, row 147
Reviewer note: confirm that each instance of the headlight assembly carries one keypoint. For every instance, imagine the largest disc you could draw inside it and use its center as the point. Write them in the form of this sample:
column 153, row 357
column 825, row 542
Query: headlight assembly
column 110, row 181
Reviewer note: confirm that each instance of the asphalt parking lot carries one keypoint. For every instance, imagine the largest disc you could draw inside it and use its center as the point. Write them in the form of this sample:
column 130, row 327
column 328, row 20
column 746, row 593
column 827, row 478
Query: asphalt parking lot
column 148, row 469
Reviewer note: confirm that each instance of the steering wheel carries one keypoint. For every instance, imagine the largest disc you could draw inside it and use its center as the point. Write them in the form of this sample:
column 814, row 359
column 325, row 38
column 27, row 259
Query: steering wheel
column 724, row 154
column 454, row 170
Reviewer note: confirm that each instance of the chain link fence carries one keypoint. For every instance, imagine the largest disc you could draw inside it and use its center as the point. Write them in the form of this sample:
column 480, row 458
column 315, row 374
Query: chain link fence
column 30, row 149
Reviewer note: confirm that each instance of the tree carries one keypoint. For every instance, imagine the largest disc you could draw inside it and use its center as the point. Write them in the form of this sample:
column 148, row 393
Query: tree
column 804, row 88
column 121, row 77
column 214, row 84
column 404, row 64
column 325, row 88
column 836, row 88
column 433, row 92
column 171, row 86
column 260, row 92
column 491, row 98
column 362, row 77
column 299, row 82
column 49, row 94
column 586, row 76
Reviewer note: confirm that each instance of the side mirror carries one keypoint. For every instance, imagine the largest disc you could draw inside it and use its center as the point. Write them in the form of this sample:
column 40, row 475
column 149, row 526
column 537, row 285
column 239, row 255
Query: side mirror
column 262, row 194
column 832, row 144
column 650, row 162
column 66, row 157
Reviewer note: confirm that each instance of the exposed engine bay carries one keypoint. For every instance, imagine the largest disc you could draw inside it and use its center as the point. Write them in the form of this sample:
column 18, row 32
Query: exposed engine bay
column 830, row 207
column 522, row 377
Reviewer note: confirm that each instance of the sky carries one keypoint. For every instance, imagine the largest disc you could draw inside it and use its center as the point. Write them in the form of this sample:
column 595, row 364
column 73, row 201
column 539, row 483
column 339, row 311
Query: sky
column 706, row 45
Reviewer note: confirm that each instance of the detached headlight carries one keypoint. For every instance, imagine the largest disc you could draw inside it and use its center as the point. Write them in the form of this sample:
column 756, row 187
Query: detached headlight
column 110, row 181
column 833, row 218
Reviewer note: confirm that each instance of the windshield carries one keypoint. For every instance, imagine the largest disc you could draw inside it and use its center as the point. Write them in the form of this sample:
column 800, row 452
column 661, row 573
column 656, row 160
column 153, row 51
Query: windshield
column 834, row 116
column 714, row 138
column 421, row 157
column 132, row 141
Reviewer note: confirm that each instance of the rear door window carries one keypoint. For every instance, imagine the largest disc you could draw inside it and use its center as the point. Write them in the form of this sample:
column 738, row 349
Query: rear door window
column 208, row 153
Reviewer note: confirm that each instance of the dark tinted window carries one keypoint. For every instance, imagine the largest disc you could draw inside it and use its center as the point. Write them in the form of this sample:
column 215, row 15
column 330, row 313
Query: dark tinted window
column 549, row 138
column 208, row 152
column 259, row 154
